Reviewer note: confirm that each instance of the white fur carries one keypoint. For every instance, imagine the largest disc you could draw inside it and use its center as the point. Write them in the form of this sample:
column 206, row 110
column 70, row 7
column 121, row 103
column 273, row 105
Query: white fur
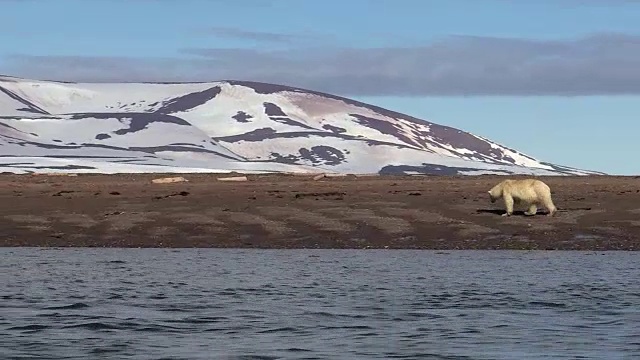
column 530, row 192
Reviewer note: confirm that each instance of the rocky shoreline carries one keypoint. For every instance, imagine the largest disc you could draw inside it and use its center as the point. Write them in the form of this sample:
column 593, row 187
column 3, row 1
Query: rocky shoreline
column 287, row 211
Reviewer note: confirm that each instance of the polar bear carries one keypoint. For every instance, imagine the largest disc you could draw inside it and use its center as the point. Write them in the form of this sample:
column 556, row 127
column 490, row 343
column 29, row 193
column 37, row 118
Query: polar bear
column 530, row 192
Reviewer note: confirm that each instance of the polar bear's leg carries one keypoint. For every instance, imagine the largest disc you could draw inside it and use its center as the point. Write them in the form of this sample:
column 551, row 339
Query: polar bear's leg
column 533, row 209
column 508, row 203
column 548, row 203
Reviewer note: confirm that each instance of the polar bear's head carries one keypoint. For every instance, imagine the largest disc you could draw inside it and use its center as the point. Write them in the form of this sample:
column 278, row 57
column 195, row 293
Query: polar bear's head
column 495, row 193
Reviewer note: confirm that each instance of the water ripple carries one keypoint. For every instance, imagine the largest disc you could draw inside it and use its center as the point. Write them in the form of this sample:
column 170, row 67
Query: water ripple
column 73, row 306
column 302, row 304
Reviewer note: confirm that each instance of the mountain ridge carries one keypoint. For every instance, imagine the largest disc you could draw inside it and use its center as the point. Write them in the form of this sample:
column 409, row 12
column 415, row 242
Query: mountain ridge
column 232, row 125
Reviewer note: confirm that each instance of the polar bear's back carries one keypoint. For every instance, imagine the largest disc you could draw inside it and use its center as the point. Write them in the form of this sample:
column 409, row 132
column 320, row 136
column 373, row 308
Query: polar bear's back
column 527, row 189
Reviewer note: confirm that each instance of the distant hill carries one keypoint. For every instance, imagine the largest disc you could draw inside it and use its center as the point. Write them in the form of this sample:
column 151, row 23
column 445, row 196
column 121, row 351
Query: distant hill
column 231, row 126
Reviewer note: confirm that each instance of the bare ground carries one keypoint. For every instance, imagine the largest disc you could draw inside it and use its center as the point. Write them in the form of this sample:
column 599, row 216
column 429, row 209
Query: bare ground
column 280, row 211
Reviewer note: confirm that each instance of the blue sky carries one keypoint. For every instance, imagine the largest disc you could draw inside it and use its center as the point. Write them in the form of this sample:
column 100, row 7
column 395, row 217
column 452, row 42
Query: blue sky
column 556, row 79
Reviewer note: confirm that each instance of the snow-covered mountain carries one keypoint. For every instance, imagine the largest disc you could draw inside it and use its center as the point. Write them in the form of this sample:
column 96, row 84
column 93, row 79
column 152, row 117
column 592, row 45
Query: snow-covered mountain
column 224, row 126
